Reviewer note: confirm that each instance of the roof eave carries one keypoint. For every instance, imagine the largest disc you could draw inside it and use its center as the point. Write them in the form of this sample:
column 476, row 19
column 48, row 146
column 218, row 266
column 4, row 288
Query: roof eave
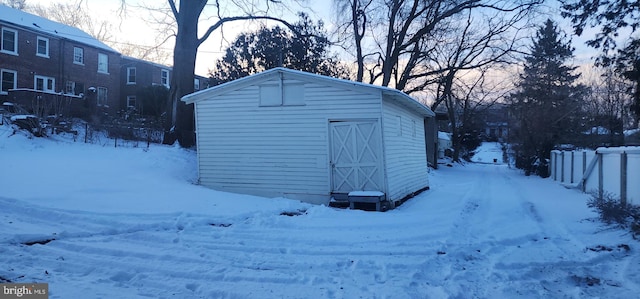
column 409, row 102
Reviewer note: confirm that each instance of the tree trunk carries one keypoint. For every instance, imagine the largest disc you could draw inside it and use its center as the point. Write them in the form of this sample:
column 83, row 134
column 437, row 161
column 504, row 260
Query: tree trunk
column 180, row 123
column 356, row 15
column 455, row 133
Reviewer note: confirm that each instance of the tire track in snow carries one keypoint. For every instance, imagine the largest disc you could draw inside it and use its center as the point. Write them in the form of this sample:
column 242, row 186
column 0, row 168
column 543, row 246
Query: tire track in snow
column 202, row 259
column 482, row 250
column 542, row 276
column 265, row 255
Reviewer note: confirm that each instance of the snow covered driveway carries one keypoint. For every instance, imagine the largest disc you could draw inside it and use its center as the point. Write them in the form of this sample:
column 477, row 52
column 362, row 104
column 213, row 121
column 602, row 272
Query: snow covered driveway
column 131, row 225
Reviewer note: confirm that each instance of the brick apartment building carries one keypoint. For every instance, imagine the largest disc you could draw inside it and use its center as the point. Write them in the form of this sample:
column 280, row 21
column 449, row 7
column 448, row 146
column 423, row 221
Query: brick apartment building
column 137, row 75
column 44, row 62
column 45, row 65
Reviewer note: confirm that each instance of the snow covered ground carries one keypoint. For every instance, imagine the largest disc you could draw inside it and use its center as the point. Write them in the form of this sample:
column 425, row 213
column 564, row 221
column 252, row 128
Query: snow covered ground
column 103, row 222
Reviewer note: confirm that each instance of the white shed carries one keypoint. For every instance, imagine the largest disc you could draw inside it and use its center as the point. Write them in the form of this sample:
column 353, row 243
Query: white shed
column 286, row 133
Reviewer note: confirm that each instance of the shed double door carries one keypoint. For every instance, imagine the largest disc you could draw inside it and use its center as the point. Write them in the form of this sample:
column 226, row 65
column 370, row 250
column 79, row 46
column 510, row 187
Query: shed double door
column 356, row 156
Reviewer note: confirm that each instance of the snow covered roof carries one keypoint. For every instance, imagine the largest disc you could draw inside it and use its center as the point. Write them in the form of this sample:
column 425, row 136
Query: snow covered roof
column 394, row 93
column 443, row 135
column 619, row 149
column 26, row 20
column 631, row 132
column 131, row 58
column 597, row 131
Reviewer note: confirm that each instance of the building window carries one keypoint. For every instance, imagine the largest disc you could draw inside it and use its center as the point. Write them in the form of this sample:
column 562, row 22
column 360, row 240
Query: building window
column 79, row 88
column 78, row 55
column 42, row 48
column 103, row 63
column 131, row 101
column 74, row 88
column 9, row 80
column 102, row 96
column 131, row 75
column 164, row 78
column 9, row 41
column 43, row 83
column 70, row 87
column 196, row 84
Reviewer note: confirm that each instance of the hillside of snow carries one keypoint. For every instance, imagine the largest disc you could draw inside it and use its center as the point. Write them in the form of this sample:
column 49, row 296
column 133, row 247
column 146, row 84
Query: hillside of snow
column 95, row 221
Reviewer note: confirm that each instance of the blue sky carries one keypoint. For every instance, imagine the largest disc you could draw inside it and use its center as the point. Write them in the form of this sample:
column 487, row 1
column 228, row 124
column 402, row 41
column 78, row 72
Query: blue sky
column 213, row 48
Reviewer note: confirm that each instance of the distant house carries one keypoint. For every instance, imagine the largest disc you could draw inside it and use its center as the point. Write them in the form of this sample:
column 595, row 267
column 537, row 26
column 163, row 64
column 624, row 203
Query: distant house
column 286, row 133
column 138, row 74
column 444, row 144
column 44, row 62
column 496, row 120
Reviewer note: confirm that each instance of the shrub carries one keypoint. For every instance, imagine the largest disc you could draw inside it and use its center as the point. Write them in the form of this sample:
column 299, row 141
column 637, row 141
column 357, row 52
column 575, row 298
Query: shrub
column 612, row 210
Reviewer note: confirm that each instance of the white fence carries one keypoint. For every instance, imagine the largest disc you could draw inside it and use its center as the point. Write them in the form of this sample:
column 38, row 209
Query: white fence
column 612, row 170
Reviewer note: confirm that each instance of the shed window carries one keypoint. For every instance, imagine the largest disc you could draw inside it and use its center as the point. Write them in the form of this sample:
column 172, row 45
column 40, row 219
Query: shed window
column 288, row 95
column 293, row 95
column 270, row 95
column 413, row 129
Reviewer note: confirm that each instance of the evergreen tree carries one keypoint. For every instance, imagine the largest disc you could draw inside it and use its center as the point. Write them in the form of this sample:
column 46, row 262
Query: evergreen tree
column 254, row 52
column 546, row 108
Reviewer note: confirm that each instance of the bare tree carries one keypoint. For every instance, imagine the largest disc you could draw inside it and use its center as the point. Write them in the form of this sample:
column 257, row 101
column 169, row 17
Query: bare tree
column 467, row 97
column 155, row 53
column 17, row 4
column 76, row 15
column 395, row 39
column 187, row 15
column 441, row 50
column 607, row 105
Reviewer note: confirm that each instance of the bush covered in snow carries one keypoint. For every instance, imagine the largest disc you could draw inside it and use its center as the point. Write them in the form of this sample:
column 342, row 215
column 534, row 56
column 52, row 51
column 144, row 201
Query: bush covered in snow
column 614, row 211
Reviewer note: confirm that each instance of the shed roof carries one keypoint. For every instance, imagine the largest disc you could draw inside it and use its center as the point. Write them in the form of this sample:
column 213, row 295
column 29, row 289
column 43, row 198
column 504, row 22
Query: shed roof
column 397, row 95
column 32, row 22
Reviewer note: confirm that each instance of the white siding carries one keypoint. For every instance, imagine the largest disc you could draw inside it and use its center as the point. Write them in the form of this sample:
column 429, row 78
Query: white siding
column 274, row 151
column 405, row 151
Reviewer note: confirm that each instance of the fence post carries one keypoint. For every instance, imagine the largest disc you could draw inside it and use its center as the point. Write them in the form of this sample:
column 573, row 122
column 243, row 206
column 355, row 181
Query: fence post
column 572, row 171
column 555, row 165
column 584, row 163
column 623, row 178
column 562, row 169
column 600, row 177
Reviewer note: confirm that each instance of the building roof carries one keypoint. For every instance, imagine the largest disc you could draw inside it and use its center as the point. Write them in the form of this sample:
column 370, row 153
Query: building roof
column 401, row 97
column 444, row 135
column 32, row 22
column 156, row 64
column 134, row 59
